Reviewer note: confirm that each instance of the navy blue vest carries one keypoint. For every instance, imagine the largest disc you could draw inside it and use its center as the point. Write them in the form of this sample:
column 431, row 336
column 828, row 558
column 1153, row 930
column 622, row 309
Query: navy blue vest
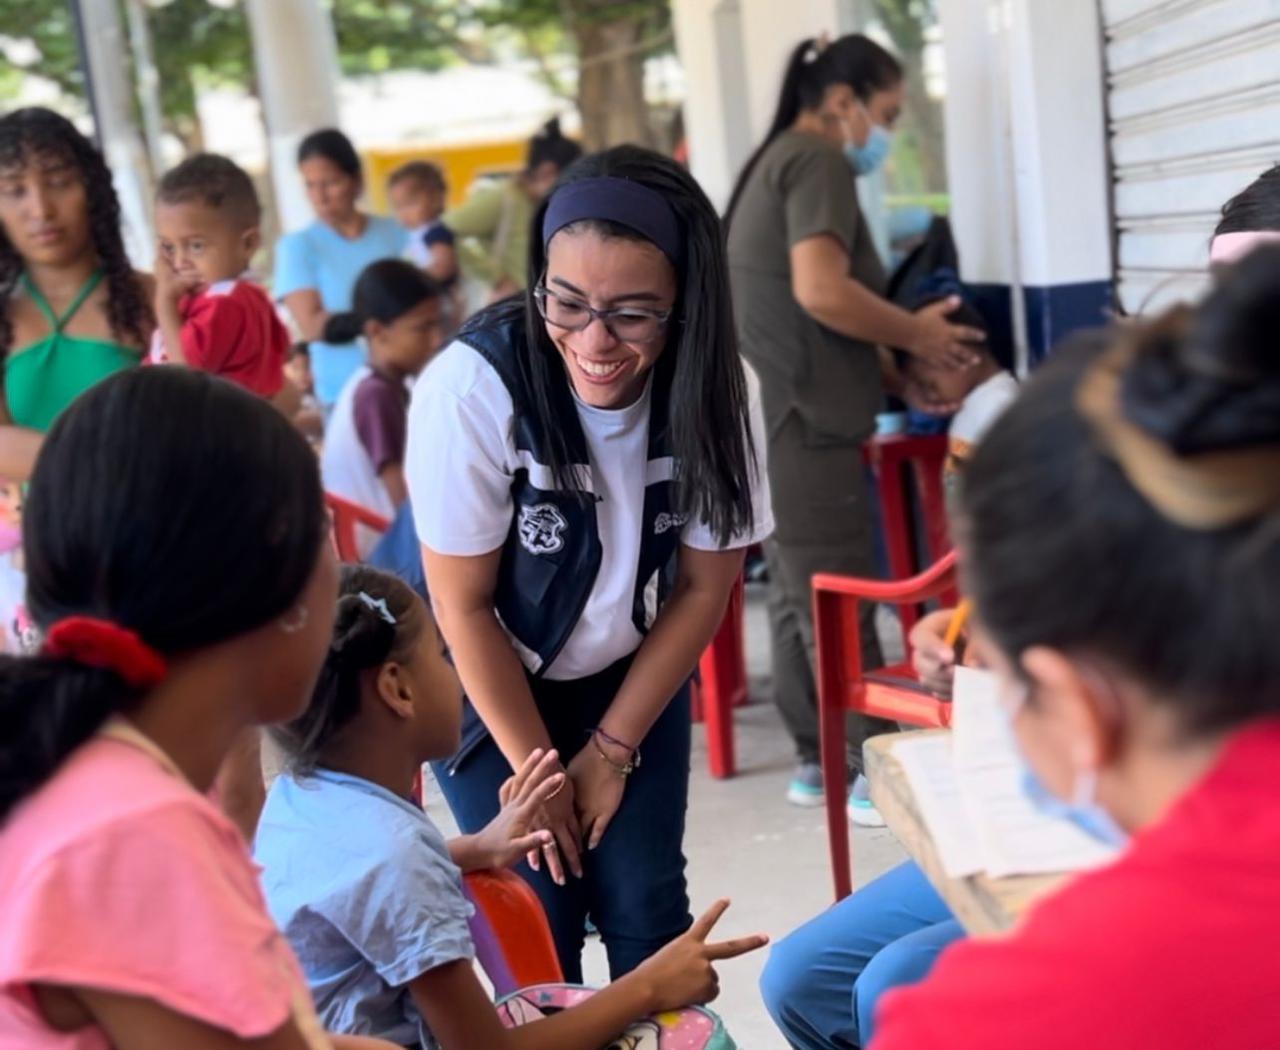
column 552, row 553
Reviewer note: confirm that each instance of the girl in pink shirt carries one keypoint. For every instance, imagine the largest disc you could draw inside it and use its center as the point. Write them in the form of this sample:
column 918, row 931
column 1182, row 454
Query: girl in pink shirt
column 180, row 572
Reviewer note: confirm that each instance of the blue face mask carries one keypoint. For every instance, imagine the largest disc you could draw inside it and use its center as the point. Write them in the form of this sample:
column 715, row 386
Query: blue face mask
column 1083, row 812
column 870, row 155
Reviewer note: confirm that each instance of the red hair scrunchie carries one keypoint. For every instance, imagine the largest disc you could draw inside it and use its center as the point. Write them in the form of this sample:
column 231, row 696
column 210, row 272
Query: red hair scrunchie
column 107, row 646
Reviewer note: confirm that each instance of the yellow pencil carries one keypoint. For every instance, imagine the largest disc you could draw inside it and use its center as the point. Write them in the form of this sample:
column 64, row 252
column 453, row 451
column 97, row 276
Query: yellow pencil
column 957, row 623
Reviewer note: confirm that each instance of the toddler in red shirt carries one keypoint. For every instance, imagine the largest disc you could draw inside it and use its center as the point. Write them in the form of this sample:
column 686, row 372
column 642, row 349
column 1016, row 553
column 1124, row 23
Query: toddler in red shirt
column 209, row 315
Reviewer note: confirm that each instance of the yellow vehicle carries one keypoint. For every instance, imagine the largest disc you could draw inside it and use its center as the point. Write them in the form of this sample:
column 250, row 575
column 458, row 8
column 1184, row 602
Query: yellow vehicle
column 462, row 163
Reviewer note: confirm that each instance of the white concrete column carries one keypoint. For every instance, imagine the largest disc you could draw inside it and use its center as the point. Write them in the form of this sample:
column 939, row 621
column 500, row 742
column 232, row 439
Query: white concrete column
column 979, row 164
column 770, row 31
column 118, row 137
column 1027, row 164
column 1059, row 135
column 296, row 57
column 734, row 53
column 148, row 79
column 709, row 41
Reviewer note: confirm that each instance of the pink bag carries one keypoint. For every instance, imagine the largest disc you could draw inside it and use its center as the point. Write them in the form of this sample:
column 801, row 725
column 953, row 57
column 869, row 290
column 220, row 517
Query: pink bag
column 690, row 1028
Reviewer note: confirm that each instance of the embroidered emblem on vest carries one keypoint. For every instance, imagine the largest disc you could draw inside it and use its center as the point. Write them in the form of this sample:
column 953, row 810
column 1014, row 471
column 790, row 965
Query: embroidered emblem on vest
column 540, row 528
column 664, row 521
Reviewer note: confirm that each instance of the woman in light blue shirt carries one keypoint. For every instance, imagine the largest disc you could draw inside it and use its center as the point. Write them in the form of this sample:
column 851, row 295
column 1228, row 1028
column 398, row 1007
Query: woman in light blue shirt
column 317, row 267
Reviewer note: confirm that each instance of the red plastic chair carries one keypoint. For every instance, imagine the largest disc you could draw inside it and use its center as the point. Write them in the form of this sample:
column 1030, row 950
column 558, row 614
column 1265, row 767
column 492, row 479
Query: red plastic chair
column 723, row 685
column 895, row 459
column 843, row 686
column 511, row 934
column 346, row 516
column 510, row 931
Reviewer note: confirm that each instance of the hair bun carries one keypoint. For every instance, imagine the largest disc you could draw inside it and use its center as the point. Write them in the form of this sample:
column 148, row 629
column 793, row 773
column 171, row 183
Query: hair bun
column 362, row 636
column 1209, row 379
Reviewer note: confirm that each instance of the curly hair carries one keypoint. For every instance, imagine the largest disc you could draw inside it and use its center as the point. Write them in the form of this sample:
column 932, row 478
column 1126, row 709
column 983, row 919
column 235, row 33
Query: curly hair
column 38, row 132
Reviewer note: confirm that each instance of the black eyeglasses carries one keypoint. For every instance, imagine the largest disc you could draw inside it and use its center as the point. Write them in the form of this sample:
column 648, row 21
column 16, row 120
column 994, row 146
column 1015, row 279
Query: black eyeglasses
column 628, row 324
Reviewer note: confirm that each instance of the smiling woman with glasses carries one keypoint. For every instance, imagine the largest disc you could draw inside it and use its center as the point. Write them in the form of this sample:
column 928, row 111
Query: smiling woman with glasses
column 586, row 469
column 627, row 324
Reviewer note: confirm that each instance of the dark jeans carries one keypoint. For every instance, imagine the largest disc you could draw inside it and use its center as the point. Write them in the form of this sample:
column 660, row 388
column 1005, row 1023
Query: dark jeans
column 634, row 886
column 822, row 513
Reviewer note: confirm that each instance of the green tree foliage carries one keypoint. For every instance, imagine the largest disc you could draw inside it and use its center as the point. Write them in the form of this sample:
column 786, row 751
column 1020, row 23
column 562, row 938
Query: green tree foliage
column 47, row 25
column 591, row 51
column 195, row 44
column 921, row 161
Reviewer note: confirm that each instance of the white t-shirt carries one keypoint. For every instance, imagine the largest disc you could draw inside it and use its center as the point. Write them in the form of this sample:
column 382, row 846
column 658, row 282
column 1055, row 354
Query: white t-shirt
column 346, row 467
column 981, row 407
column 462, row 458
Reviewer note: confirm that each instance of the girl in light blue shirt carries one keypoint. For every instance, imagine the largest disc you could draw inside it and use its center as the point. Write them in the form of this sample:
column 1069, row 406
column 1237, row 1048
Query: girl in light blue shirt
column 366, row 888
column 317, row 267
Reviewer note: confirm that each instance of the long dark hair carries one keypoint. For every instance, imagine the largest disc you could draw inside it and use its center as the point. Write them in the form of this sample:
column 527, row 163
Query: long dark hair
column 1064, row 549
column 1256, row 207
column 173, row 504
column 854, row 59
column 710, row 435
column 38, row 132
column 363, row 639
column 385, row 290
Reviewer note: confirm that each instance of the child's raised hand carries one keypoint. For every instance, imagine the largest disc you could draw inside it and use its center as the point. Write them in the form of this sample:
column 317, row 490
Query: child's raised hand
column 513, row 832
column 683, row 973
column 170, row 286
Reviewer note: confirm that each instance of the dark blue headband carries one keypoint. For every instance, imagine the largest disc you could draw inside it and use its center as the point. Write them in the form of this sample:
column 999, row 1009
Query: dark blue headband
column 623, row 201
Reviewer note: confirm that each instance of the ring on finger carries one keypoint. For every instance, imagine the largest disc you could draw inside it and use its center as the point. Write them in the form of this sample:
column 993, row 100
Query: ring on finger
column 556, row 791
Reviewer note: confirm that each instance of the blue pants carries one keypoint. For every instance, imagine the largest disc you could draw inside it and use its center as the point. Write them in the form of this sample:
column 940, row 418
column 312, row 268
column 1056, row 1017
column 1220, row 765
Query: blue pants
column 822, row 982
column 634, row 885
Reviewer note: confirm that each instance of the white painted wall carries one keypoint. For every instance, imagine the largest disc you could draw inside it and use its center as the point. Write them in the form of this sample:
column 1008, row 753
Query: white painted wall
column 770, row 31
column 1026, row 141
column 716, row 122
column 979, row 152
column 734, row 53
column 1059, row 139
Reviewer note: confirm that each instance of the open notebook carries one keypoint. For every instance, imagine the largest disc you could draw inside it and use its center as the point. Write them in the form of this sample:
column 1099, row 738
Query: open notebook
column 968, row 784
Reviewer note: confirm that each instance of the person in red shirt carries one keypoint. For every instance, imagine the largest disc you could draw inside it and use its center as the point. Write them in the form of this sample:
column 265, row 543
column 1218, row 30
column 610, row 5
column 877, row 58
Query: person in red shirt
column 210, row 316
column 1120, row 533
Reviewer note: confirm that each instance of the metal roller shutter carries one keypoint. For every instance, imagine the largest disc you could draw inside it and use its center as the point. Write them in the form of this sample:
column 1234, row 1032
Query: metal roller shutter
column 1193, row 107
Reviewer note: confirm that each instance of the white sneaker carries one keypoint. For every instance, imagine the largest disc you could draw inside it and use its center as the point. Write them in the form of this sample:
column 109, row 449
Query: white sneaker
column 860, row 808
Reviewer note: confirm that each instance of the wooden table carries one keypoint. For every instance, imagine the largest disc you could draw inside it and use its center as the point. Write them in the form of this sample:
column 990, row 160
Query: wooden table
column 981, row 903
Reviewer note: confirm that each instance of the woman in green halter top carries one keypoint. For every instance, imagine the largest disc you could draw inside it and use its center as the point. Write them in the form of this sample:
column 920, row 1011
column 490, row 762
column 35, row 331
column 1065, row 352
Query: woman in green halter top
column 42, row 378
column 72, row 309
